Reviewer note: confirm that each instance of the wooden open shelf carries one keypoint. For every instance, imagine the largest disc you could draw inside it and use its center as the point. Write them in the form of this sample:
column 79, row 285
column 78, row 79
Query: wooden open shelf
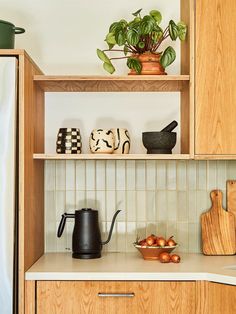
column 134, row 83
column 111, row 156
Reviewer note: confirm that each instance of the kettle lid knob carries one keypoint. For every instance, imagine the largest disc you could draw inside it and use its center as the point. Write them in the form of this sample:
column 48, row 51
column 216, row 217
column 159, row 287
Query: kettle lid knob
column 86, row 209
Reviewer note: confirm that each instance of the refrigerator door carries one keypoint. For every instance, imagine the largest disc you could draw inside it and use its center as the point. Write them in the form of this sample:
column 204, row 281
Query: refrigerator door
column 8, row 72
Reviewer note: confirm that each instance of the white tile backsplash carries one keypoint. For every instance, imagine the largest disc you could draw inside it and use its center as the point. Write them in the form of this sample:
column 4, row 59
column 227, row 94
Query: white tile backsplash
column 140, row 175
column 163, row 197
column 100, row 177
column 80, row 175
column 60, row 176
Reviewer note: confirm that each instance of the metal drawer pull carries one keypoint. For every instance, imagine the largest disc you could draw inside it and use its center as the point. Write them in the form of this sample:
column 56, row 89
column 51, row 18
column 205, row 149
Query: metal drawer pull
column 116, row 295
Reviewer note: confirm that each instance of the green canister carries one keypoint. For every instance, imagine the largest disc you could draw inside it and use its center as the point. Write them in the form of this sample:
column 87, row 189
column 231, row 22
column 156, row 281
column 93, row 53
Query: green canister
column 7, row 34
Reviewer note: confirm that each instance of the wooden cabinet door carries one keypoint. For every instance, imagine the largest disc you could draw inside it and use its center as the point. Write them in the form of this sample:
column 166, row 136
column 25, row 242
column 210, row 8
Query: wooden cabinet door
column 131, row 297
column 215, row 93
column 162, row 297
column 215, row 298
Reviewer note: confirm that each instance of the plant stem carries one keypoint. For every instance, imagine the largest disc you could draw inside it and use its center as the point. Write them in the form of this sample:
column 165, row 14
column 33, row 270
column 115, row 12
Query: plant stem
column 119, row 58
column 133, row 49
column 115, row 50
column 163, row 37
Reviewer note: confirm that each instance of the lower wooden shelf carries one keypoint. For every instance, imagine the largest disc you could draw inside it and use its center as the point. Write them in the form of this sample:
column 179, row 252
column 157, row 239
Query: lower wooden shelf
column 112, row 156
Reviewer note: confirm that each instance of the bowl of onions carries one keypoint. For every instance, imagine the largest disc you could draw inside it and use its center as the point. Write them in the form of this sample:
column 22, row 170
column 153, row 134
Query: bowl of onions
column 153, row 246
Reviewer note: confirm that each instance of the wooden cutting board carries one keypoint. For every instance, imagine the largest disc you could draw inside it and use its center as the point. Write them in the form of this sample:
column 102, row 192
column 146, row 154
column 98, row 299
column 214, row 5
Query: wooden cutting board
column 231, row 197
column 218, row 228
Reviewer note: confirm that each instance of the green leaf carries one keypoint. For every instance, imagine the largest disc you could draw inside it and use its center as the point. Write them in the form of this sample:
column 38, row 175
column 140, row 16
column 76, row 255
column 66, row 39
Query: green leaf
column 120, row 38
column 147, row 24
column 110, row 38
column 132, row 37
column 156, row 15
column 141, row 44
column 156, row 36
column 182, row 30
column 123, row 23
column 135, row 25
column 168, row 57
column 126, row 50
column 134, row 64
column 137, row 12
column 110, row 46
column 101, row 55
column 113, row 27
column 137, row 19
column 173, row 30
column 109, row 67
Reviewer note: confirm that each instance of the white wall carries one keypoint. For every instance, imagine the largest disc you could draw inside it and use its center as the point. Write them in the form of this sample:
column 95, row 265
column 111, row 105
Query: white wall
column 62, row 37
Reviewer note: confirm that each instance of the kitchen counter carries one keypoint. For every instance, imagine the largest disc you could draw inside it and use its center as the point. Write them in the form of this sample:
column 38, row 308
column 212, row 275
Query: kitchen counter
column 131, row 266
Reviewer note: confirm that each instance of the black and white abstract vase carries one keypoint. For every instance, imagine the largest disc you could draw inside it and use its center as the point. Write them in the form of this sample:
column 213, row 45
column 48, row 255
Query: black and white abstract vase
column 101, row 141
column 122, row 141
column 68, row 141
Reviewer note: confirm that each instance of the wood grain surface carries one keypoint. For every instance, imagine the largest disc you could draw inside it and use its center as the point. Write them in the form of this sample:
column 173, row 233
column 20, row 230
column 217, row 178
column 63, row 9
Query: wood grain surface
column 136, row 83
column 215, row 298
column 218, row 228
column 187, row 67
column 215, row 91
column 215, row 157
column 30, row 297
column 111, row 156
column 31, row 172
column 82, row 297
column 231, row 198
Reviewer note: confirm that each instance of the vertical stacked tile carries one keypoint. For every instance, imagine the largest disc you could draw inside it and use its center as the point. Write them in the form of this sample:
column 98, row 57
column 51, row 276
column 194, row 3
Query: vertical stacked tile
column 163, row 197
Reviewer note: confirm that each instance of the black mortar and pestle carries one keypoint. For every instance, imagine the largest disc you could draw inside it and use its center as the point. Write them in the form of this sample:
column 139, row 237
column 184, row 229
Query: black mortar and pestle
column 160, row 142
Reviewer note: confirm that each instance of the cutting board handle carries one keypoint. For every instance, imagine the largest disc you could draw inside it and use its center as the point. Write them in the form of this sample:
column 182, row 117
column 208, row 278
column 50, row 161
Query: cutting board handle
column 216, row 198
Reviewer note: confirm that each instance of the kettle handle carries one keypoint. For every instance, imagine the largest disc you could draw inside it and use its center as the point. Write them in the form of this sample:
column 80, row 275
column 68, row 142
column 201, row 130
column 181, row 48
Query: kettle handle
column 63, row 222
column 111, row 228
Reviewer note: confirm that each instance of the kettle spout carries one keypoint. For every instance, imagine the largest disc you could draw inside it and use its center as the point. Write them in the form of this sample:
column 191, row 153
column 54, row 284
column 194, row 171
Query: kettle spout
column 111, row 228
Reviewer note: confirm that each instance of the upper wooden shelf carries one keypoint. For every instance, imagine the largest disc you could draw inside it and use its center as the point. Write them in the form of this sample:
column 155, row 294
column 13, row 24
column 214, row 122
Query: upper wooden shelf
column 134, row 83
column 111, row 156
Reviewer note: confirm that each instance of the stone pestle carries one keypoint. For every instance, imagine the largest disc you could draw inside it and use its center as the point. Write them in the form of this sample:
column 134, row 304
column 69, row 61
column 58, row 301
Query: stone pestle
column 170, row 127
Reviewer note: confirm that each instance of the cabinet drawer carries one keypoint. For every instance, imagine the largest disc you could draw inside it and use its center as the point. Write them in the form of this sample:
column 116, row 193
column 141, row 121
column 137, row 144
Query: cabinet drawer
column 115, row 297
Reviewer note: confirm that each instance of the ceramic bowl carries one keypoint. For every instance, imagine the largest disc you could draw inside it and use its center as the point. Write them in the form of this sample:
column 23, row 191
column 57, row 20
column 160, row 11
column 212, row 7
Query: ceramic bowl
column 159, row 142
column 153, row 252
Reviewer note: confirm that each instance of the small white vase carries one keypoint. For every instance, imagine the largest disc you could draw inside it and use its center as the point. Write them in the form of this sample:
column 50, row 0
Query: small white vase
column 101, row 141
column 122, row 141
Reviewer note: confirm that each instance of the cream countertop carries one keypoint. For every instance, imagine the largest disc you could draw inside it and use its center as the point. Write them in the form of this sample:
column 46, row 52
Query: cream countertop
column 131, row 266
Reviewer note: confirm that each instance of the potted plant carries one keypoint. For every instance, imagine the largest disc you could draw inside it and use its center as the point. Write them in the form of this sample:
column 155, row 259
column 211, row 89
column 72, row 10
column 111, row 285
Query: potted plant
column 139, row 41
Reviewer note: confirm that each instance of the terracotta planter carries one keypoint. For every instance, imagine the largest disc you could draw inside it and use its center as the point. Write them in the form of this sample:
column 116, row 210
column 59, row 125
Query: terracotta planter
column 150, row 64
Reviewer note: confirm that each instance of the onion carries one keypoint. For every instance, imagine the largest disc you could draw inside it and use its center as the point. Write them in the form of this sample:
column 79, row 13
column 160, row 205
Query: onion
column 150, row 240
column 164, row 257
column 175, row 258
column 143, row 243
column 171, row 242
column 161, row 242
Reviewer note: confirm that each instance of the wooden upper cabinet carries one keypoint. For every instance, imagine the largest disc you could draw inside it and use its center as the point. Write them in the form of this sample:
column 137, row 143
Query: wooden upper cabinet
column 215, row 94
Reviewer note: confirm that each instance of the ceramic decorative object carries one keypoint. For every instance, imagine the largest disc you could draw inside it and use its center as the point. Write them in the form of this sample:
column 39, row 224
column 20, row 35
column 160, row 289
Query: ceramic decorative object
column 153, row 252
column 159, row 142
column 101, row 141
column 151, row 64
column 68, row 141
column 122, row 141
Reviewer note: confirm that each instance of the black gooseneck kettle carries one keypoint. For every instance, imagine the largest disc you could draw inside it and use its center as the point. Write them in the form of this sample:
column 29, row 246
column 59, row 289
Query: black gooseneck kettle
column 86, row 240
